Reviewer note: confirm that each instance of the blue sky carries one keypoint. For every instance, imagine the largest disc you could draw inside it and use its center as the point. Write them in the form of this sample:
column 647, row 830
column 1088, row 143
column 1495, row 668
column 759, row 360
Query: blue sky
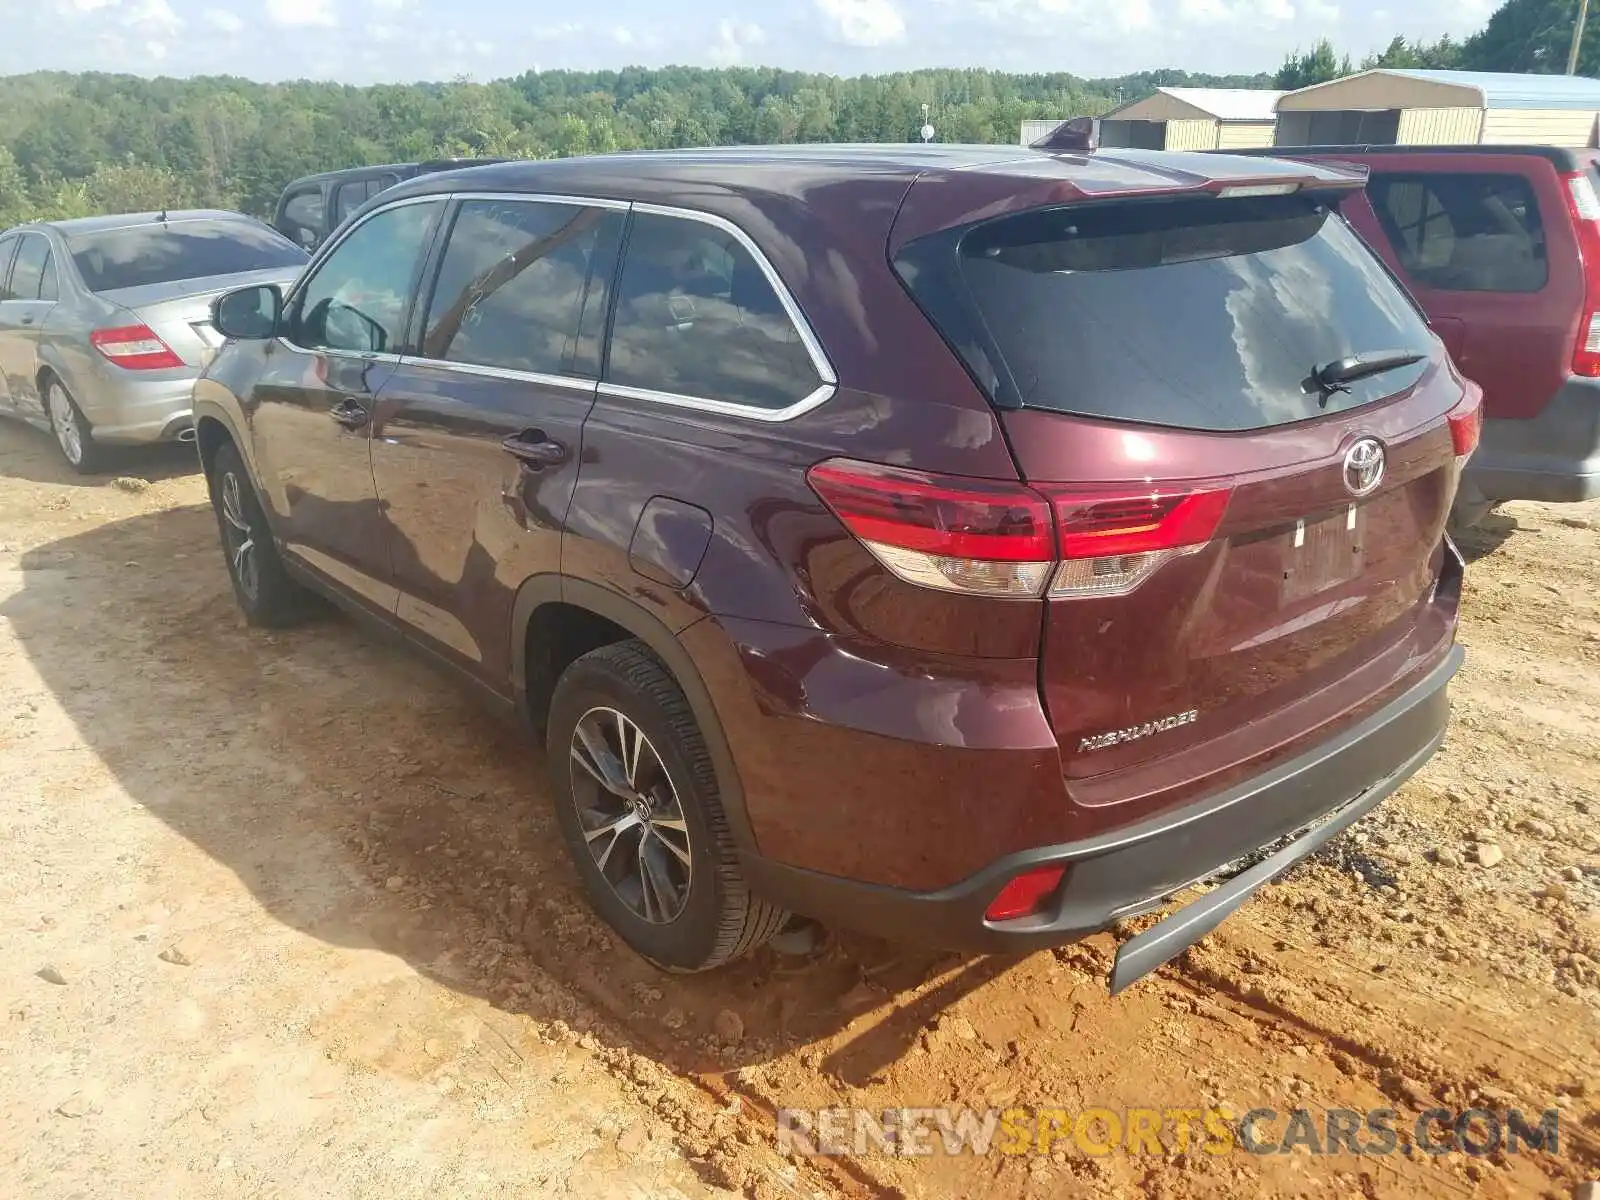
column 363, row 41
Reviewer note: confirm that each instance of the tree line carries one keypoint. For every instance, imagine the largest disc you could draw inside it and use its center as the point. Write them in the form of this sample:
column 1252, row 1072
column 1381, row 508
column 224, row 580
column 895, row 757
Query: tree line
column 75, row 144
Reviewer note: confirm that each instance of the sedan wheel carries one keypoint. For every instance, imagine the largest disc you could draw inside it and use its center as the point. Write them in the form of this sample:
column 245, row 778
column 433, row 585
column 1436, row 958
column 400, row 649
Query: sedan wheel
column 631, row 815
column 67, row 424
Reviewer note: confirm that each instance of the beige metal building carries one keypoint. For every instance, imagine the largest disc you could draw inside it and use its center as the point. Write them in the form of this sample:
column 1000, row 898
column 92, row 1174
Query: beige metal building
column 1419, row 108
column 1183, row 119
column 1193, row 119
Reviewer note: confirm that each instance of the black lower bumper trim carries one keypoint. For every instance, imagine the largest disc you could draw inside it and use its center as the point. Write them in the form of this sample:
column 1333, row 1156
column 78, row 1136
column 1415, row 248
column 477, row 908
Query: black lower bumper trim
column 1138, row 866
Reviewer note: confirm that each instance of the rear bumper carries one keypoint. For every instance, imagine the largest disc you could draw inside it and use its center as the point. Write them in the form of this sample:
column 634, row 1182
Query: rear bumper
column 1554, row 456
column 123, row 409
column 1133, row 869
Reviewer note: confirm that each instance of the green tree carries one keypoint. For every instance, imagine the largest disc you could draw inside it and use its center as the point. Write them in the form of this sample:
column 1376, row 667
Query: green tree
column 1318, row 65
column 1533, row 36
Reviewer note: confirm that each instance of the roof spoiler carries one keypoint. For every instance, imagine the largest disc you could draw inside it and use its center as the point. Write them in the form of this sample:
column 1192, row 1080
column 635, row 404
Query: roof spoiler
column 1079, row 134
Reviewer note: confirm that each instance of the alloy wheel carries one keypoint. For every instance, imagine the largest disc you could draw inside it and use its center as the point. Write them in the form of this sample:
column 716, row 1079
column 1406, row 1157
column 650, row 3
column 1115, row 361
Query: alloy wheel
column 238, row 536
column 64, row 420
column 631, row 815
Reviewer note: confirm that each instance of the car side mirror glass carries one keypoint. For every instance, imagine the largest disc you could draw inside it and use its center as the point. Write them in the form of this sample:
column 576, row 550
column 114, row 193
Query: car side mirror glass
column 253, row 312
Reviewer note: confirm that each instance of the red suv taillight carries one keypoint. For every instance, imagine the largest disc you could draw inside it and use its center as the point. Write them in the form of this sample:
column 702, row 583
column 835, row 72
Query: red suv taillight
column 134, row 348
column 1583, row 205
column 993, row 538
column 1466, row 426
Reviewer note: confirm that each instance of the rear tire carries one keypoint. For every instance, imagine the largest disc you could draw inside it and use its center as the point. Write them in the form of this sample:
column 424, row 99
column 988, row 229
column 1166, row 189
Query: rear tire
column 261, row 584
column 660, row 819
column 73, row 435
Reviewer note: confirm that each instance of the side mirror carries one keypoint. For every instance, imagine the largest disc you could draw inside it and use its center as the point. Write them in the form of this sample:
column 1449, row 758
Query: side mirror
column 253, row 313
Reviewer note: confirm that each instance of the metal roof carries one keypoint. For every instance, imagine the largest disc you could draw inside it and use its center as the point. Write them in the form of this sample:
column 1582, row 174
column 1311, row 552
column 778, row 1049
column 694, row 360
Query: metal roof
column 1228, row 104
column 1499, row 90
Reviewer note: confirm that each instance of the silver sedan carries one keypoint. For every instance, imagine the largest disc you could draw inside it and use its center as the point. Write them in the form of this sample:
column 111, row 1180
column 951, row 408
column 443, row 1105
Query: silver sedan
column 106, row 321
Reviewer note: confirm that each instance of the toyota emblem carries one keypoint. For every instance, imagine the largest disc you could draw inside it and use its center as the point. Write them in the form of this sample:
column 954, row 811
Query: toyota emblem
column 1363, row 466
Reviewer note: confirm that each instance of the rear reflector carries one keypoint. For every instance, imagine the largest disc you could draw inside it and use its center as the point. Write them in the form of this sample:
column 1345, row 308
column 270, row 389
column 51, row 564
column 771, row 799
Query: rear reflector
column 1025, row 894
column 1465, row 428
column 1110, row 544
column 980, row 536
column 1583, row 206
column 134, row 348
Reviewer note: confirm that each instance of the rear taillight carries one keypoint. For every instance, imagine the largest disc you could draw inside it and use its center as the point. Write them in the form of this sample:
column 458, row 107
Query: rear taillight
column 134, row 348
column 1111, row 543
column 1583, row 205
column 979, row 536
column 1025, row 894
column 1466, row 425
column 993, row 538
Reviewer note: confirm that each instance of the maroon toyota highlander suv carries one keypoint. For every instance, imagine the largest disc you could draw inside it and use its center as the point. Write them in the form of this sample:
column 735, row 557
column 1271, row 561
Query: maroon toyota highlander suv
column 957, row 543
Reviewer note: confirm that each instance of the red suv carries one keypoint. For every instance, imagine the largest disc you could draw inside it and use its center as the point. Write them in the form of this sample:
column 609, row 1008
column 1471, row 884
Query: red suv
column 1500, row 245
column 955, row 542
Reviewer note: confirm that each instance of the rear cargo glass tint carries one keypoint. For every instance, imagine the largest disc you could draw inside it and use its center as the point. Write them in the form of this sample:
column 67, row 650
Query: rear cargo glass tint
column 1198, row 314
column 164, row 252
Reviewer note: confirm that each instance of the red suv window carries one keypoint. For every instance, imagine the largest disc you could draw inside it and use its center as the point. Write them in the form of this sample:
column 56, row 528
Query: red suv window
column 1464, row 233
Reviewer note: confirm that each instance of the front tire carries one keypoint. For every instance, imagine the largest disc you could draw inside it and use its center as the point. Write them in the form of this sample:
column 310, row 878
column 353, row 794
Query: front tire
column 73, row 436
column 266, row 593
column 637, row 801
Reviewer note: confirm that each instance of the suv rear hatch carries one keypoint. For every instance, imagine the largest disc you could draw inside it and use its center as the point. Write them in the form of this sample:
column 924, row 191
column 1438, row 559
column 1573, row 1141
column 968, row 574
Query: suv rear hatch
column 1249, row 553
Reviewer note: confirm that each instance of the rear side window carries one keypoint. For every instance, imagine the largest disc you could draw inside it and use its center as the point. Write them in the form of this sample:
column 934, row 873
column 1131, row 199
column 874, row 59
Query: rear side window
column 1464, row 233
column 697, row 318
column 348, row 198
column 510, row 288
column 165, row 252
column 1196, row 314
column 28, row 272
column 302, row 217
column 8, row 247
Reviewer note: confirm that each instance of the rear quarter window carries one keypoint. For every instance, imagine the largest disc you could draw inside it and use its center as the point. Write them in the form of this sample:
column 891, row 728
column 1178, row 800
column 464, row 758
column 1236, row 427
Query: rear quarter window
column 1464, row 232
column 1206, row 314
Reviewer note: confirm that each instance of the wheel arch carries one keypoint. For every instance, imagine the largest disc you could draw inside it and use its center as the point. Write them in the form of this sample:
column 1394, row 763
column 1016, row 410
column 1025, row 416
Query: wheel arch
column 533, row 683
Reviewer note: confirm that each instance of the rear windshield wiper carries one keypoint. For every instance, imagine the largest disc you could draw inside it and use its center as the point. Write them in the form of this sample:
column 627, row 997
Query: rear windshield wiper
column 1338, row 375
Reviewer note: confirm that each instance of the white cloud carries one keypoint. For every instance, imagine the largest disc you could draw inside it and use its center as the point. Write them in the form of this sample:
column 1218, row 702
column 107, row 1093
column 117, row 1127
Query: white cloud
column 299, row 14
column 734, row 41
column 152, row 16
column 223, row 20
column 863, row 22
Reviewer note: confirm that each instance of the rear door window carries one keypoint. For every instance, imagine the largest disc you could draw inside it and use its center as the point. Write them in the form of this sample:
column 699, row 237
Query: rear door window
column 28, row 272
column 1203, row 314
column 1464, row 232
column 511, row 285
column 698, row 319
column 349, row 197
column 165, row 252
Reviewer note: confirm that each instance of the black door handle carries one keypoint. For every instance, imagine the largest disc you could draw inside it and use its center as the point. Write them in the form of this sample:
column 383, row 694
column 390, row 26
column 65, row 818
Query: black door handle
column 27, row 318
column 352, row 414
column 532, row 447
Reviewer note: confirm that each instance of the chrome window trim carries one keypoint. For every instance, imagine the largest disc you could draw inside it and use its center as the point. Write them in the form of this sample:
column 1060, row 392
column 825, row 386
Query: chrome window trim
column 828, row 379
column 805, row 404
column 535, row 377
column 546, row 198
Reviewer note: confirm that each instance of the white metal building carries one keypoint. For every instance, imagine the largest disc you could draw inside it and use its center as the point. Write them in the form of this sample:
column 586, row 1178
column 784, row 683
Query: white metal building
column 1177, row 118
column 1418, row 108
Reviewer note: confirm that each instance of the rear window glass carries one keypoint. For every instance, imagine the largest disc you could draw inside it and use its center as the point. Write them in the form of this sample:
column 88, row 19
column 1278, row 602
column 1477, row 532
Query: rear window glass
column 163, row 253
column 1464, row 233
column 1198, row 314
